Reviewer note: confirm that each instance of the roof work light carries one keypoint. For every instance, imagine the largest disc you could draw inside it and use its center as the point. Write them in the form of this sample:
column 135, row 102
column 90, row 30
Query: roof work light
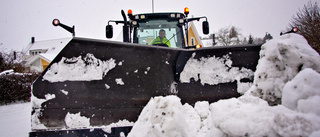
column 55, row 22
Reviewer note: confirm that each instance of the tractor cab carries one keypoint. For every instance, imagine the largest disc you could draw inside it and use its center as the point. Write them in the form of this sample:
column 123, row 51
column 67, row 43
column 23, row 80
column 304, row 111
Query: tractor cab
column 148, row 26
column 144, row 28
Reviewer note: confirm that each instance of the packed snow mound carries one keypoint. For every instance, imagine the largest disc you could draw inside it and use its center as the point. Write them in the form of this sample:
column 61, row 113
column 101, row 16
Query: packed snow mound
column 213, row 71
column 281, row 59
column 76, row 120
column 162, row 116
column 303, row 92
column 244, row 116
column 79, row 69
column 36, row 103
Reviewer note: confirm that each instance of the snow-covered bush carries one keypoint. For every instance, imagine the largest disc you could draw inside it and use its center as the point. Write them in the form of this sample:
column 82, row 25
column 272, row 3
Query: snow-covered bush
column 16, row 86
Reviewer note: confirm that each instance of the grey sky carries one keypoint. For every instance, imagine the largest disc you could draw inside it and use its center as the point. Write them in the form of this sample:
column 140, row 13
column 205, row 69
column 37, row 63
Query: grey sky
column 22, row 19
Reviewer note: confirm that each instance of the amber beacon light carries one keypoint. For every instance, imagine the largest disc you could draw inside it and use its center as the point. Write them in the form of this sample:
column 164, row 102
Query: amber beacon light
column 186, row 11
column 129, row 12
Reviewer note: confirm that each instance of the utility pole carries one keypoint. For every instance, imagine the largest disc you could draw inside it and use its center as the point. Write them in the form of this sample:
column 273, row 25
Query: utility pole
column 152, row 6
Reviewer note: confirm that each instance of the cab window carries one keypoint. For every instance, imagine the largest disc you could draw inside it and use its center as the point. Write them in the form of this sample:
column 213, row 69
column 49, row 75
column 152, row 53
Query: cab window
column 149, row 31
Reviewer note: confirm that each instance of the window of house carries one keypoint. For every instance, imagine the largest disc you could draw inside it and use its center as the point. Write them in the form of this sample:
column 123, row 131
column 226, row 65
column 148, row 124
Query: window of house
column 193, row 42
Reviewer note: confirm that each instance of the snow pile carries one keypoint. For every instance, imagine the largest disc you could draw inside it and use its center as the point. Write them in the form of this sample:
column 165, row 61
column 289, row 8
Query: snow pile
column 244, row 116
column 288, row 70
column 76, row 121
column 161, row 117
column 303, row 92
column 120, row 123
column 36, row 103
column 79, row 69
column 252, row 116
column 213, row 70
column 280, row 60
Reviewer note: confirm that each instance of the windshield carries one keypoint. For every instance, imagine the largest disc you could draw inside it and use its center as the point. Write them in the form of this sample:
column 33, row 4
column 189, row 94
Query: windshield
column 148, row 31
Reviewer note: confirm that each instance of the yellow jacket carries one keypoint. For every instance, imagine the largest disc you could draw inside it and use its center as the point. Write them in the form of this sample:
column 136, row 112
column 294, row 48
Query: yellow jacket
column 159, row 41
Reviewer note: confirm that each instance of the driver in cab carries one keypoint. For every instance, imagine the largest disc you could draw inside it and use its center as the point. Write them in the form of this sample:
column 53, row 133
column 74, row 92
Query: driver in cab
column 161, row 40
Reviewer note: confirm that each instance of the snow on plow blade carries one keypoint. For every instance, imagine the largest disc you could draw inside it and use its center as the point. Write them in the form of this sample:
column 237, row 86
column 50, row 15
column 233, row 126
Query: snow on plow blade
column 103, row 81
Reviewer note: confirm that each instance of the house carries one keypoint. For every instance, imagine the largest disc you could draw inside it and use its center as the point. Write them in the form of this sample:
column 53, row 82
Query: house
column 193, row 35
column 39, row 54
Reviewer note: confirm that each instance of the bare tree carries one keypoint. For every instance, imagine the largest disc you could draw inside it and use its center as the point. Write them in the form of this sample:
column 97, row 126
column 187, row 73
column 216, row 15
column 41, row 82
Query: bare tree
column 229, row 36
column 11, row 60
column 307, row 21
column 250, row 39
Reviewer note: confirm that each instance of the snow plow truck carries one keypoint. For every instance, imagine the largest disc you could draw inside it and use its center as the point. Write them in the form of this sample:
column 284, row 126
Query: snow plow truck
column 92, row 83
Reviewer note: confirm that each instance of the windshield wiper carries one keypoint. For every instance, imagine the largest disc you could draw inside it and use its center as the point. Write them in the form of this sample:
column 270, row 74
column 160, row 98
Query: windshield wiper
column 173, row 36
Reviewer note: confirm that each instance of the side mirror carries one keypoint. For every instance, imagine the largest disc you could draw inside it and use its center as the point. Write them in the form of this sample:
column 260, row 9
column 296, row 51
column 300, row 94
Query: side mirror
column 205, row 27
column 109, row 31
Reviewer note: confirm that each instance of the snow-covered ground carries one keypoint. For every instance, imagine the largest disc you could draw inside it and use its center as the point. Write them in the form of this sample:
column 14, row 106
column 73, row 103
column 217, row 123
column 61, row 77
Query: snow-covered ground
column 15, row 120
column 288, row 74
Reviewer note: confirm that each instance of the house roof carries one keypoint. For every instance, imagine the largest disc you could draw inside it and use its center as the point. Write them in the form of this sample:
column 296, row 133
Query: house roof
column 53, row 48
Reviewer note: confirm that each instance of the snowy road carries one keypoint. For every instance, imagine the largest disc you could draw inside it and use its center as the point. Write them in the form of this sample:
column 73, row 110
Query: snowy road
column 15, row 120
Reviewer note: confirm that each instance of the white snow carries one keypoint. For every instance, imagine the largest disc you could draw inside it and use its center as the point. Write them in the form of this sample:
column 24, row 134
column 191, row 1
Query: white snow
column 120, row 123
column 11, row 72
column 293, row 78
column 288, row 69
column 76, row 121
column 244, row 116
column 15, row 120
column 107, row 86
column 7, row 72
column 64, row 92
column 119, row 81
column 36, row 103
column 80, row 69
column 147, row 69
column 281, row 59
column 302, row 93
column 214, row 70
column 161, row 117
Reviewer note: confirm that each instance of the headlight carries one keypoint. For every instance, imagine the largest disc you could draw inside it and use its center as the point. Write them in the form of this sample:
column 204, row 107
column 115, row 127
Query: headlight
column 181, row 21
column 199, row 46
column 134, row 23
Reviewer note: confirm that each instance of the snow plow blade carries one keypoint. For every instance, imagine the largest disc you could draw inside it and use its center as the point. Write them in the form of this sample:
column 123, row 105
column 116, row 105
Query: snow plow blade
column 106, row 81
column 96, row 132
